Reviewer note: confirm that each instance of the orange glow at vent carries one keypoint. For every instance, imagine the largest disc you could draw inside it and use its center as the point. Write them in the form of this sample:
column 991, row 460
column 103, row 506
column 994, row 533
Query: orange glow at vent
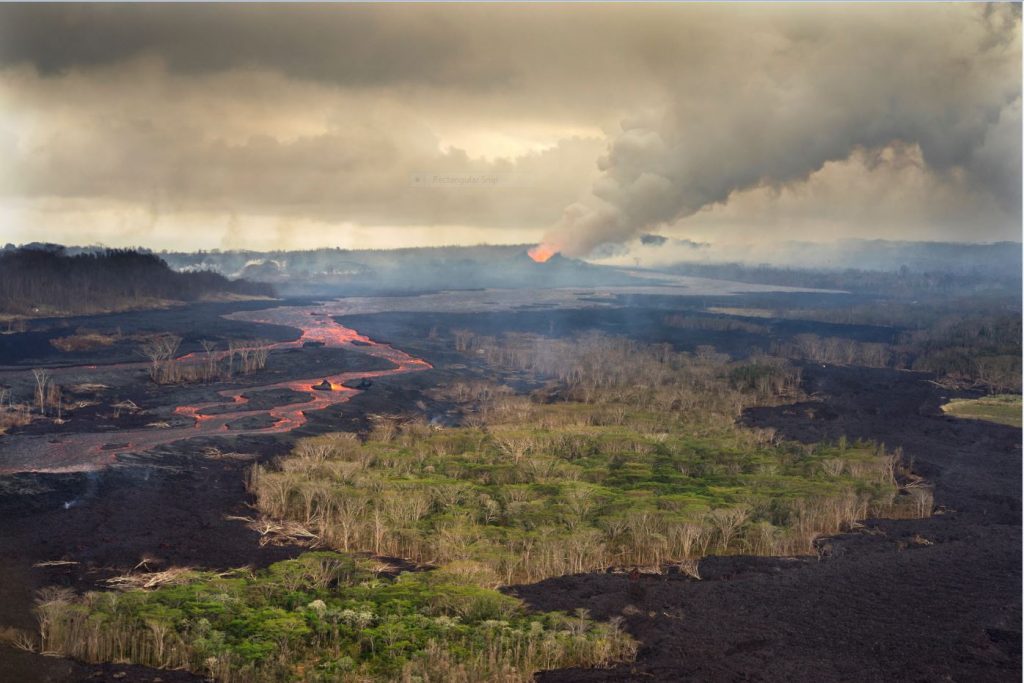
column 542, row 252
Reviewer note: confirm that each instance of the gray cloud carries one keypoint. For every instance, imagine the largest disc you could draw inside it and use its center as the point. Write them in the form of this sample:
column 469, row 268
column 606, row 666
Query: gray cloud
column 357, row 159
column 613, row 119
column 353, row 45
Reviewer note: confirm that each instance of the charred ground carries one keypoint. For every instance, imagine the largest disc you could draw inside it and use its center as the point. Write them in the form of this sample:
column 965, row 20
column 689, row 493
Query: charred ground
column 913, row 599
column 931, row 599
column 927, row 599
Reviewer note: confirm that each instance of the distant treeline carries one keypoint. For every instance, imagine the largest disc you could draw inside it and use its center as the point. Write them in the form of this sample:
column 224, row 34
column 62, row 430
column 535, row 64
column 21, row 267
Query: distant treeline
column 48, row 281
column 900, row 283
column 322, row 272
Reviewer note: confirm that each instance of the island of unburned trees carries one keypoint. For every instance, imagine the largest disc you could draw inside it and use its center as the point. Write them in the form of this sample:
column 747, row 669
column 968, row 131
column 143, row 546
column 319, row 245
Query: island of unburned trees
column 621, row 457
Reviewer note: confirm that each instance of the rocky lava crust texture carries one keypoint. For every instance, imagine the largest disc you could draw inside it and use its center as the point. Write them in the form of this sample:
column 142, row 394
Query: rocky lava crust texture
column 934, row 599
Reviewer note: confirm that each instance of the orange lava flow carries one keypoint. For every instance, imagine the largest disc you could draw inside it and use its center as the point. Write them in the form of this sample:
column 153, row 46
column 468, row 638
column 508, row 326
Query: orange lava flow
column 542, row 252
column 89, row 451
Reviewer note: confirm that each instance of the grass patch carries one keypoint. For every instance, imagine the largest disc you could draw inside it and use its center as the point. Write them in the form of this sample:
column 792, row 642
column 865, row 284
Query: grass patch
column 1003, row 409
column 86, row 340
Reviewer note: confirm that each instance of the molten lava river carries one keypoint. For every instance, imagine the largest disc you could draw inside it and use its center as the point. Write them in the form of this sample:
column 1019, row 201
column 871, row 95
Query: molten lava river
column 69, row 452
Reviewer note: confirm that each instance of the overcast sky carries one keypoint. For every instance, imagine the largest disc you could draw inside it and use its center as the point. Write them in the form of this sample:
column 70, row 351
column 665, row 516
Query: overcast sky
column 288, row 126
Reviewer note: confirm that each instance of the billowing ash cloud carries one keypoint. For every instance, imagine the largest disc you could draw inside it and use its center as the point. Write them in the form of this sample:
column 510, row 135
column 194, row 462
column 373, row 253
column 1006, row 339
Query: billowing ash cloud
column 809, row 97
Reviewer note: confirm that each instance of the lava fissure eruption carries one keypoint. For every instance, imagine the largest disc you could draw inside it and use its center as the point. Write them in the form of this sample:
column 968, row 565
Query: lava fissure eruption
column 542, row 252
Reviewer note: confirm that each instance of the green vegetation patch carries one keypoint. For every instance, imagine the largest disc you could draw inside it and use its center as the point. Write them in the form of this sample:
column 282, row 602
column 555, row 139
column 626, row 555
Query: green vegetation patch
column 325, row 617
column 629, row 456
column 523, row 503
column 1002, row 408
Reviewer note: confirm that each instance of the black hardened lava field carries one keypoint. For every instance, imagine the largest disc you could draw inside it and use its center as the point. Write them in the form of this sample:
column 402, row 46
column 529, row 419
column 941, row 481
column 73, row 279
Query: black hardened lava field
column 511, row 342
column 918, row 584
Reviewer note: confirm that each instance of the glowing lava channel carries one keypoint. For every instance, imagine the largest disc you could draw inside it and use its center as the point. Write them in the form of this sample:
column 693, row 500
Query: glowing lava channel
column 89, row 451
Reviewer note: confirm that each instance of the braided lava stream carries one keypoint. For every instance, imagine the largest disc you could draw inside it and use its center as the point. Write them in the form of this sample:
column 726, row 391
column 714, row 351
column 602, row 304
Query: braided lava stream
column 90, row 451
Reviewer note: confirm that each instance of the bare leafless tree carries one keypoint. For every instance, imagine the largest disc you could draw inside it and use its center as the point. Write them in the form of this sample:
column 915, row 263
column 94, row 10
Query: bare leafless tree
column 463, row 339
column 211, row 359
column 160, row 350
column 54, row 394
column 42, row 377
